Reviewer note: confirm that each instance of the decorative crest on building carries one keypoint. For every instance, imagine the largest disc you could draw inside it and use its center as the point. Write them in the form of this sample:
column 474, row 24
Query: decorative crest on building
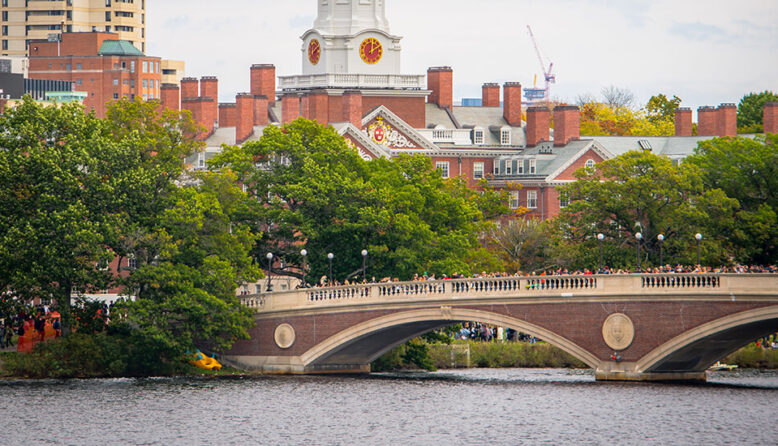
column 387, row 136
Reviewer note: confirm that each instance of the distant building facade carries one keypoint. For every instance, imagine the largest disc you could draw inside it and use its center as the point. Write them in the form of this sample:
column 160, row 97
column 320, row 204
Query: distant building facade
column 25, row 21
column 100, row 64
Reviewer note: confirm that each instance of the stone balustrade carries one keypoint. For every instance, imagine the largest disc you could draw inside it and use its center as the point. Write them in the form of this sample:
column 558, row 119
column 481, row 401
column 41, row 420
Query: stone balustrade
column 636, row 286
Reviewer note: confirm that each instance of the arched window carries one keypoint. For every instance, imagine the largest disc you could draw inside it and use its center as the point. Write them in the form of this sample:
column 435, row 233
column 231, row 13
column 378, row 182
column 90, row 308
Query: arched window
column 589, row 164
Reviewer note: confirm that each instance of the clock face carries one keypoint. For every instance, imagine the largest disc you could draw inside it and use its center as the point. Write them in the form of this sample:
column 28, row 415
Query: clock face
column 314, row 52
column 371, row 51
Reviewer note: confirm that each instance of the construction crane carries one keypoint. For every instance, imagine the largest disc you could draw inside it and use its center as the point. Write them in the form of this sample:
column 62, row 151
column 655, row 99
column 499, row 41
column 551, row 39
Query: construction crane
column 549, row 75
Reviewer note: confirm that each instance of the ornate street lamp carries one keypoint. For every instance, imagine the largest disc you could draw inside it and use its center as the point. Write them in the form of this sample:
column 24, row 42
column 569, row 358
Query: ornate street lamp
column 601, row 237
column 304, row 253
column 269, row 270
column 698, row 237
column 639, row 237
column 364, row 266
column 661, row 239
column 331, row 256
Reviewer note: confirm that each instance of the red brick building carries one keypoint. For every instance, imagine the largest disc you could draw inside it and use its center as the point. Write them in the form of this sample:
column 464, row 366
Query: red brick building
column 100, row 64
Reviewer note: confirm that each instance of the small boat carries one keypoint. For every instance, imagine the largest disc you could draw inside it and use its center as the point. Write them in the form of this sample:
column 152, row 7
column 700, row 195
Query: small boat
column 204, row 362
column 719, row 367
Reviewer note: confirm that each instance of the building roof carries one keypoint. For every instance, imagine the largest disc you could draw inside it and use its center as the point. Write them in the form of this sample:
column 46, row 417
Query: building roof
column 119, row 48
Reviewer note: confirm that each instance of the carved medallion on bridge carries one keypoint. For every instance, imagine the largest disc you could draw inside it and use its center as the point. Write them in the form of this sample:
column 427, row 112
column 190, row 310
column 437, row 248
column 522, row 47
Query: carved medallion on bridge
column 284, row 336
column 618, row 331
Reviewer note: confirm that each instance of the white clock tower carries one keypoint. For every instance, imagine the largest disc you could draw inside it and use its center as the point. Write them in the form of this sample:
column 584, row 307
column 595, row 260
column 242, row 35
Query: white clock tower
column 351, row 37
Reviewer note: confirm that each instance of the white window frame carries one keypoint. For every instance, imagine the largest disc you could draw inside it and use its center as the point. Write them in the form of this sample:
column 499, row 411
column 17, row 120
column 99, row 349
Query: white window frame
column 532, row 199
column 589, row 164
column 505, row 136
column 443, row 166
column 478, row 137
column 201, row 160
column 514, row 204
column 533, row 166
column 509, row 167
column 478, row 170
column 519, row 167
column 564, row 202
column 496, row 169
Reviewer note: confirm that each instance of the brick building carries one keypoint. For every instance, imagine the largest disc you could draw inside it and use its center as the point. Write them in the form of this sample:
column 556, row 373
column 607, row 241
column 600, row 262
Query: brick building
column 352, row 80
column 100, row 64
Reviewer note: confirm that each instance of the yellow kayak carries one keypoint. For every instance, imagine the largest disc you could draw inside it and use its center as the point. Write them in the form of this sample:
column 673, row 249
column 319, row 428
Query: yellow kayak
column 204, row 362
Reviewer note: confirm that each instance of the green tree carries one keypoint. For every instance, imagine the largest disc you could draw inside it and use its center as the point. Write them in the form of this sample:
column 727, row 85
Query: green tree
column 55, row 211
column 745, row 170
column 317, row 193
column 640, row 192
column 660, row 108
column 750, row 111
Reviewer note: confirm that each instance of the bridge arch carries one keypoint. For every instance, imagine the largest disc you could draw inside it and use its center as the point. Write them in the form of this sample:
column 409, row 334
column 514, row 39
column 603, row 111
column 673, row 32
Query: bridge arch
column 697, row 349
column 365, row 342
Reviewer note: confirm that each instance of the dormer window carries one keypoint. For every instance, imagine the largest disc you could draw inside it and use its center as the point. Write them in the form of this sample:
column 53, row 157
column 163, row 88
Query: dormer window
column 505, row 136
column 478, row 136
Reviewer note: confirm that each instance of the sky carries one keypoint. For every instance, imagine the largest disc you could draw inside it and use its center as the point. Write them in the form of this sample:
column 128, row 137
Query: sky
column 706, row 52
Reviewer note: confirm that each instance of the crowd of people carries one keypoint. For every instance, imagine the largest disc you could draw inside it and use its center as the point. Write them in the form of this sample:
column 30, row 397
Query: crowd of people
column 605, row 270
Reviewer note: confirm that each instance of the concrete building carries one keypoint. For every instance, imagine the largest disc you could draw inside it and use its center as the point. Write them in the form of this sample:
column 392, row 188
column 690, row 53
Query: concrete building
column 25, row 21
column 100, row 64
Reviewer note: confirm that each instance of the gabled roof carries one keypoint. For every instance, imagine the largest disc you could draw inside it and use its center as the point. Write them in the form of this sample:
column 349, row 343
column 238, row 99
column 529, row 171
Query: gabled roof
column 347, row 128
column 404, row 127
column 119, row 48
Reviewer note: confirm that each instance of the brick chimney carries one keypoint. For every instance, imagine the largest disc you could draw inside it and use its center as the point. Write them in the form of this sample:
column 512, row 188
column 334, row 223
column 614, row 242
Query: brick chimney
column 683, row 121
column 771, row 117
column 209, row 87
column 201, row 109
column 228, row 115
column 706, row 121
column 538, row 122
column 319, row 107
column 352, row 107
column 440, row 80
column 567, row 124
column 290, row 108
column 511, row 103
column 726, row 120
column 490, row 95
column 245, row 117
column 190, row 88
column 169, row 94
column 263, row 81
column 260, row 110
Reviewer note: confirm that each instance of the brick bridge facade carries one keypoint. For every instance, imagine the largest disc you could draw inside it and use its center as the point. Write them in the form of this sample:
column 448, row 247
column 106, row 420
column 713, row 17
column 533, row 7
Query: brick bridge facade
column 657, row 327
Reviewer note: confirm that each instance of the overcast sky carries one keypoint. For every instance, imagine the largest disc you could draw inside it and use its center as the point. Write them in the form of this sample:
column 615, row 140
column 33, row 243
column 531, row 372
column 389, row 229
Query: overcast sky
column 705, row 51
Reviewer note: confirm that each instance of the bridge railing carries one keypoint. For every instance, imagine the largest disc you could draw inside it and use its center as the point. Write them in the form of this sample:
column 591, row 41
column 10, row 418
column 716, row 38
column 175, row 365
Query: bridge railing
column 631, row 285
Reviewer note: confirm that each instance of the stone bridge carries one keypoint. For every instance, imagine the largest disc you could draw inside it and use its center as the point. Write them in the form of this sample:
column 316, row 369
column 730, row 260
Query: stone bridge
column 626, row 327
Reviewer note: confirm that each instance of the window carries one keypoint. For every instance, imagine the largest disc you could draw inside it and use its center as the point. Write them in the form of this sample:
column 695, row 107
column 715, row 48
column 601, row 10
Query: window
column 201, row 160
column 78, row 82
column 5, row 30
column 145, row 83
column 5, row 16
column 478, row 136
column 532, row 166
column 509, row 168
column 132, row 263
column 478, row 170
column 68, row 67
column 589, row 164
column 107, row 16
column 5, row 44
column 115, row 95
column 496, row 167
column 145, row 66
column 116, row 81
column 564, row 202
column 443, row 167
column 505, row 136
column 520, row 167
column 132, row 66
column 514, row 199
column 79, row 66
column 107, row 2
column 532, row 199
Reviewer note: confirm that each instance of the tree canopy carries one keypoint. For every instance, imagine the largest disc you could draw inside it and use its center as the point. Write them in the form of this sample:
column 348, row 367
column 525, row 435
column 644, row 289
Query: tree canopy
column 318, row 194
column 750, row 111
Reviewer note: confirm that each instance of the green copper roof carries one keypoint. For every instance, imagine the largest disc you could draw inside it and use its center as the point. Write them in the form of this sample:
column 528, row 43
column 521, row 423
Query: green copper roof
column 119, row 48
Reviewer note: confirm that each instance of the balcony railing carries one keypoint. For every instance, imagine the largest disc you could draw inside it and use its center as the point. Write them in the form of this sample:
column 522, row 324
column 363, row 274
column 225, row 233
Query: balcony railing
column 393, row 81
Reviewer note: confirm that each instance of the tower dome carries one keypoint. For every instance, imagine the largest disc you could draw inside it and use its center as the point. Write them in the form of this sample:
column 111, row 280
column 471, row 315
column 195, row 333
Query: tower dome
column 349, row 17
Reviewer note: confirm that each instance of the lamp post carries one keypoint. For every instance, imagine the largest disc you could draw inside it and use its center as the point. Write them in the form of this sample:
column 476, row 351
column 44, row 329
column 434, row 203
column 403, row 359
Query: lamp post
column 661, row 239
column 269, row 269
column 304, row 253
column 600, row 237
column 639, row 237
column 331, row 256
column 364, row 266
column 698, row 237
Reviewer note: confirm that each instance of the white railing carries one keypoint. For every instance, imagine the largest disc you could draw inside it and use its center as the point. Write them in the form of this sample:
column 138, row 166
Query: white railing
column 458, row 137
column 332, row 80
column 606, row 286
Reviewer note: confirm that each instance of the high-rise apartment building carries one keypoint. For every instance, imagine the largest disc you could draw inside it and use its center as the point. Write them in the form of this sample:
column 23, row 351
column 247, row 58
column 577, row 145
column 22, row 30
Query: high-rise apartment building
column 23, row 21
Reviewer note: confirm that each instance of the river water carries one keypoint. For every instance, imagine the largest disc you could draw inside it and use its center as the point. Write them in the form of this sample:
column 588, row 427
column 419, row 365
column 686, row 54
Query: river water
column 454, row 407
